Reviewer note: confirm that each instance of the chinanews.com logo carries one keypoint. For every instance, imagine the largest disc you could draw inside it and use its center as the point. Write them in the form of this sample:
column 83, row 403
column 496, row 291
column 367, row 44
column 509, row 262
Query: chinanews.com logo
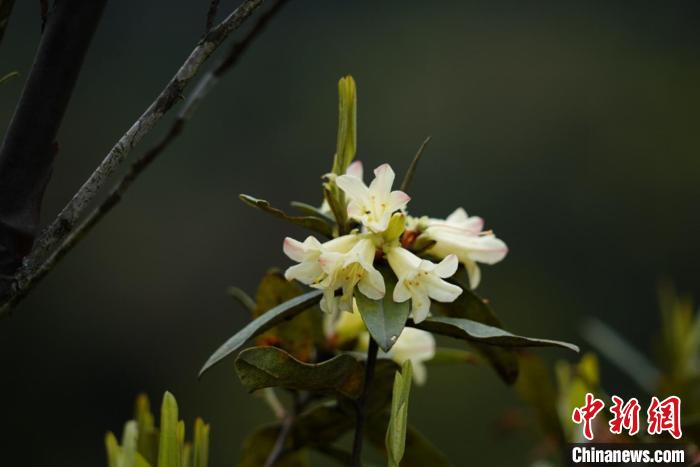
column 663, row 419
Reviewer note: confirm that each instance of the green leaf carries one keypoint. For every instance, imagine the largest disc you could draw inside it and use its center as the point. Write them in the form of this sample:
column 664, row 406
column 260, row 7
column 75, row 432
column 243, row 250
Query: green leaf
column 168, row 450
column 414, row 165
column 473, row 331
column 286, row 310
column 310, row 210
column 242, row 297
column 346, row 145
column 148, row 434
column 470, row 306
column 129, row 441
column 8, row 76
column 384, row 318
column 113, row 450
column 418, row 451
column 257, row 448
column 316, row 224
column 398, row 420
column 201, row 444
column 264, row 367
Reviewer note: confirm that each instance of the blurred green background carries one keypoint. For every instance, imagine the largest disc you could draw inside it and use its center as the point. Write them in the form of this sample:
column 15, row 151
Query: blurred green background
column 571, row 127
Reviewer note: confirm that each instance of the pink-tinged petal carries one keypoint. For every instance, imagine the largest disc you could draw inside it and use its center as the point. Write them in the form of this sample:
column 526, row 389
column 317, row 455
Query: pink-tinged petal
column 353, row 187
column 474, row 274
column 307, row 272
column 355, row 169
column 398, row 200
column 294, row 249
column 474, row 224
column 384, row 178
column 447, row 267
column 420, row 373
column 488, row 249
column 401, row 293
column 355, row 210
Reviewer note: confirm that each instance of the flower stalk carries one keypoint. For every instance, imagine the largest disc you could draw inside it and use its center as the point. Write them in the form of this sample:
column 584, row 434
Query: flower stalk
column 361, row 405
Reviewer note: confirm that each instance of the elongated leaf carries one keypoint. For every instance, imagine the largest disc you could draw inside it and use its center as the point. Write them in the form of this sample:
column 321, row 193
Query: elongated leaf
column 258, row 446
column 470, row 306
column 418, row 451
column 168, row 450
column 347, row 125
column 8, row 76
column 129, row 441
column 316, row 224
column 536, row 387
column 113, row 450
column 398, row 419
column 473, row 331
column 264, row 367
column 148, row 434
column 414, row 165
column 286, row 310
column 201, row 444
column 309, row 210
column 384, row 318
column 242, row 297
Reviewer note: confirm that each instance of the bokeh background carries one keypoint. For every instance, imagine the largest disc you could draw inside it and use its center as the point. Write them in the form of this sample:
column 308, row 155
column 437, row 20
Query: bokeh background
column 571, row 127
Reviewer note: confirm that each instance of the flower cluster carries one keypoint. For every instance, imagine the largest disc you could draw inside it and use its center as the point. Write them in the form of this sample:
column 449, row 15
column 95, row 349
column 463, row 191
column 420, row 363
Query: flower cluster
column 386, row 235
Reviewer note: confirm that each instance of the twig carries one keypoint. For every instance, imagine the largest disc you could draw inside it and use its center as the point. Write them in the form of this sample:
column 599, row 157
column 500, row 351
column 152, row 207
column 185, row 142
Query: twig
column 44, row 11
column 28, row 148
column 63, row 229
column 278, row 449
column 211, row 14
column 414, row 165
column 361, row 406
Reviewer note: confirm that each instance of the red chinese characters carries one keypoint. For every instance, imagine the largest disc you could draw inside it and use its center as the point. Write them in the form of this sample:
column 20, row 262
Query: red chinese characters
column 587, row 413
column 662, row 416
column 625, row 416
column 665, row 415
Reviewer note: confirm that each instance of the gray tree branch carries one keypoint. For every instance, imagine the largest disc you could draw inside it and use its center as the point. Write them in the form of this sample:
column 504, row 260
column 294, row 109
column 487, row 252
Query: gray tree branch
column 28, row 277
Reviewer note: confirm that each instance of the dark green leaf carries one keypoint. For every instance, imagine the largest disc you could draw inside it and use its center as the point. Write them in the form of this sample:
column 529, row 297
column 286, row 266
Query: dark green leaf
column 257, row 448
column 473, row 331
column 264, row 367
column 536, row 387
column 309, row 210
column 470, row 306
column 384, row 318
column 398, row 418
column 347, row 125
column 316, row 224
column 286, row 310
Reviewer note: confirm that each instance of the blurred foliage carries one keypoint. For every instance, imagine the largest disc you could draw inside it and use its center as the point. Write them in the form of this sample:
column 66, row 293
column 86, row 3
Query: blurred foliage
column 143, row 444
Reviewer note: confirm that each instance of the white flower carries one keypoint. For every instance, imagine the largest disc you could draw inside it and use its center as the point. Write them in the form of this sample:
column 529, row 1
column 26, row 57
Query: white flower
column 373, row 205
column 341, row 263
column 420, row 280
column 413, row 344
column 347, row 270
column 462, row 235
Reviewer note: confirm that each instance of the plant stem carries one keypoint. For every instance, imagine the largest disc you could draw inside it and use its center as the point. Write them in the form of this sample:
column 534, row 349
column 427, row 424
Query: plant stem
column 361, row 405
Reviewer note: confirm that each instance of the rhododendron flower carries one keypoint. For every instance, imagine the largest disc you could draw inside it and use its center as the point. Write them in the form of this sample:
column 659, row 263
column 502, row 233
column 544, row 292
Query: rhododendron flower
column 354, row 170
column 462, row 235
column 373, row 205
column 420, row 280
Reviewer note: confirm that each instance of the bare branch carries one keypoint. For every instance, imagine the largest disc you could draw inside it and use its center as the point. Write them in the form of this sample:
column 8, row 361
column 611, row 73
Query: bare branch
column 28, row 149
column 29, row 276
column 211, row 14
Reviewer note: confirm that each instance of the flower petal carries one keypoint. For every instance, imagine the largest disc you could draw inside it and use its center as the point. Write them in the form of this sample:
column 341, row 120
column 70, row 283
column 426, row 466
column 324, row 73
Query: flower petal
column 384, row 178
column 355, row 169
column 294, row 249
column 372, row 285
column 474, row 273
column 397, row 200
column 488, row 249
column 448, row 266
column 401, row 293
column 353, row 187
column 441, row 290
